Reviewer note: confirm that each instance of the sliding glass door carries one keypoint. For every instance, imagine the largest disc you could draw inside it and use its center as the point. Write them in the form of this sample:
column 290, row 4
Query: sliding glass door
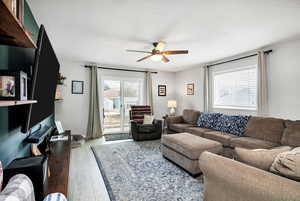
column 118, row 95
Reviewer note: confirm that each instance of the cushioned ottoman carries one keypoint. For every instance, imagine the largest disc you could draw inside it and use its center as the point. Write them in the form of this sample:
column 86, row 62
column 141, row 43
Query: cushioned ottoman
column 184, row 149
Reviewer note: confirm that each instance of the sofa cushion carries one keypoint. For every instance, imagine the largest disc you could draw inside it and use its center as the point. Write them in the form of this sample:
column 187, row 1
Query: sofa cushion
column 288, row 164
column 291, row 134
column 252, row 143
column 1, row 176
column 268, row 129
column 233, row 124
column 181, row 127
column 260, row 158
column 190, row 116
column 198, row 130
column 190, row 145
column 219, row 136
column 208, row 120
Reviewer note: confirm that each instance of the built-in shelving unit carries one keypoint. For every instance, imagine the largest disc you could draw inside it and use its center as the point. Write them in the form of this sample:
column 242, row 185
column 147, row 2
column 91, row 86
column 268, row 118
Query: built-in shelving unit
column 12, row 31
column 14, row 102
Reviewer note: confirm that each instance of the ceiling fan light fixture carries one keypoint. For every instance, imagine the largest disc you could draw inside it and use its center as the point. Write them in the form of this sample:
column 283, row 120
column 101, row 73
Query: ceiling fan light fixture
column 156, row 57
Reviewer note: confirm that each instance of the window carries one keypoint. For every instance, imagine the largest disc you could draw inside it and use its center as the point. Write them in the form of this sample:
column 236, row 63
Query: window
column 235, row 89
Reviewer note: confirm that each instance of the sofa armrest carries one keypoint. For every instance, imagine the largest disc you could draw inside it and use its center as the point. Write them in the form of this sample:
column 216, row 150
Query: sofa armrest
column 174, row 120
column 19, row 188
column 233, row 180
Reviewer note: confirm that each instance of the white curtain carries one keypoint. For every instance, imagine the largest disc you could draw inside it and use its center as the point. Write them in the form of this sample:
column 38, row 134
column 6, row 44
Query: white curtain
column 149, row 94
column 94, row 127
column 262, row 89
column 206, row 88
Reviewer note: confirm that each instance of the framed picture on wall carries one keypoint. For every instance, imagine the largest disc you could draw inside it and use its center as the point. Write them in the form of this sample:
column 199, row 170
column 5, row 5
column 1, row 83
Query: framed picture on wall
column 190, row 89
column 162, row 90
column 77, row 87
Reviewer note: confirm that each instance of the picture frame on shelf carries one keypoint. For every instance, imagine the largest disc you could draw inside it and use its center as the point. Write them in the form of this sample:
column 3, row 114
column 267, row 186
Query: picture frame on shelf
column 77, row 87
column 162, row 90
column 13, row 85
column 190, row 89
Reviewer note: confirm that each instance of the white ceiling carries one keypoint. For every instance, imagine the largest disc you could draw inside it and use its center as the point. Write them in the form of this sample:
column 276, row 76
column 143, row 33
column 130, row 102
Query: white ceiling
column 101, row 30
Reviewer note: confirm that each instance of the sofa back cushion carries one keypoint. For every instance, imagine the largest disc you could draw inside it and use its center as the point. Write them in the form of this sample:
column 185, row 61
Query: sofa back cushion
column 260, row 158
column 233, row 124
column 287, row 164
column 268, row 129
column 291, row 134
column 190, row 116
column 208, row 120
column 1, row 175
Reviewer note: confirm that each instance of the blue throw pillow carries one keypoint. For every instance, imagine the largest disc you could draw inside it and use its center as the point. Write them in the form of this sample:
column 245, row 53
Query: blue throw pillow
column 208, row 120
column 233, row 124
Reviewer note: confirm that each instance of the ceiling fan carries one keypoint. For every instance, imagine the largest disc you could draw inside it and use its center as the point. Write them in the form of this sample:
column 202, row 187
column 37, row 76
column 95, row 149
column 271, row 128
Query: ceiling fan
column 157, row 54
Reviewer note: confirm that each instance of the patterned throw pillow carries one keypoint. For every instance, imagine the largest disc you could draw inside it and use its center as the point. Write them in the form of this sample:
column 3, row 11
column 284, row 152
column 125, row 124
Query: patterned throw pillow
column 208, row 120
column 55, row 197
column 233, row 124
column 1, row 175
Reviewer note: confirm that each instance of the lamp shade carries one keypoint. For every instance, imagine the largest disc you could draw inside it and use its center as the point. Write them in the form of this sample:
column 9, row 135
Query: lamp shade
column 172, row 103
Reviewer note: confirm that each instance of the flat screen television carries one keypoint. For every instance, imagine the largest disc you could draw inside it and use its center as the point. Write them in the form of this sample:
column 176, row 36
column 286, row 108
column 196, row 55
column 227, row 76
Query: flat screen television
column 43, row 82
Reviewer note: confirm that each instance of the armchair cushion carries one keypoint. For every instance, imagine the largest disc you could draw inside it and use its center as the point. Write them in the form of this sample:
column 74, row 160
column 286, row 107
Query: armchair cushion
column 19, row 188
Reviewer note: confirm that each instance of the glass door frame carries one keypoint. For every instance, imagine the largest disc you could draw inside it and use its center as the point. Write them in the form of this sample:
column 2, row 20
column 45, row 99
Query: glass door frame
column 122, row 80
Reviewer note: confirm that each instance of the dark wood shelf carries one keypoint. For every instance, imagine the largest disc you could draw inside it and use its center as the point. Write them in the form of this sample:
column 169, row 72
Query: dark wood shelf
column 12, row 31
column 16, row 102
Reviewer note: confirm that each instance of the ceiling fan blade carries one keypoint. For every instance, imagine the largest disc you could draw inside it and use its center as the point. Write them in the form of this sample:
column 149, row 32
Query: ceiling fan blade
column 138, row 51
column 160, row 46
column 165, row 59
column 176, row 52
column 144, row 58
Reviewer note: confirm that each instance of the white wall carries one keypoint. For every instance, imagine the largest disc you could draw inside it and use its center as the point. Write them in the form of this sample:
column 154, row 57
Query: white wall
column 194, row 75
column 161, row 102
column 72, row 111
column 284, row 82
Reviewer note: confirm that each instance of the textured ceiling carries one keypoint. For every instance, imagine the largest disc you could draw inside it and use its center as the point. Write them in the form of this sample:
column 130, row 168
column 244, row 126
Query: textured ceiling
column 101, row 30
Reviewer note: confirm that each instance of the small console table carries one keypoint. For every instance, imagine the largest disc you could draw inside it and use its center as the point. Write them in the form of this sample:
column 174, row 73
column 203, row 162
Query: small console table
column 59, row 161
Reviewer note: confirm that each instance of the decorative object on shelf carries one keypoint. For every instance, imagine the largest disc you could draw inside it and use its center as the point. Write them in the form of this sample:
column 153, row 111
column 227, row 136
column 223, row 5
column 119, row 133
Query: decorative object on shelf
column 58, row 95
column 16, row 7
column 61, row 79
column 190, row 89
column 15, row 33
column 172, row 104
column 77, row 87
column 13, row 85
column 11, row 5
column 162, row 90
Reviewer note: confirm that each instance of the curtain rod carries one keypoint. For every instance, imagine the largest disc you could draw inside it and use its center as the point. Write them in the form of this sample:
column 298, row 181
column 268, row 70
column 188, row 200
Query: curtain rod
column 240, row 58
column 121, row 69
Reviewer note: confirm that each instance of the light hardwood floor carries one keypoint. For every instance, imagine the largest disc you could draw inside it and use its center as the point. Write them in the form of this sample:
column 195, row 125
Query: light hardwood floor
column 85, row 180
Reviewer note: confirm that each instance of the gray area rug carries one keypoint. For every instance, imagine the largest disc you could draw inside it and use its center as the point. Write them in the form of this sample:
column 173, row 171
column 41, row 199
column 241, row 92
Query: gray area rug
column 136, row 171
column 118, row 136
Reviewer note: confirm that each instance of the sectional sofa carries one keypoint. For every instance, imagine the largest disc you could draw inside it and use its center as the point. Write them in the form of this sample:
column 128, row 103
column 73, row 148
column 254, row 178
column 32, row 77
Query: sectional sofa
column 239, row 180
column 260, row 133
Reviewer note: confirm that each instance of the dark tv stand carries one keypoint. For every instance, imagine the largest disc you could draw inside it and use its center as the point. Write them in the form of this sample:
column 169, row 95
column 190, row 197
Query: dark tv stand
column 59, row 161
